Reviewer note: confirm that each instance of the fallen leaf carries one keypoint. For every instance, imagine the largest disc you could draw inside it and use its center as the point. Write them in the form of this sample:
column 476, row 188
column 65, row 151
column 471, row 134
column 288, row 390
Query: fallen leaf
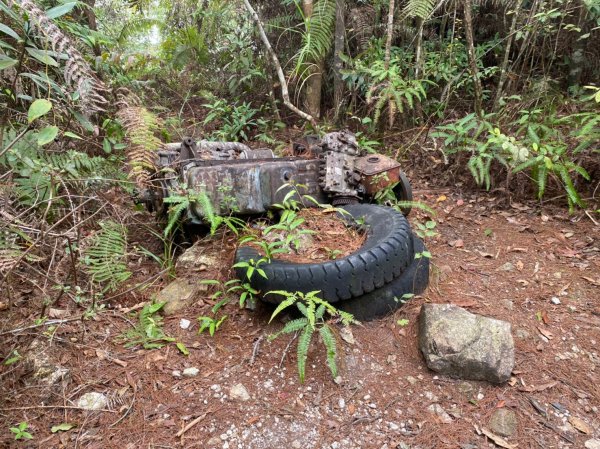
column 500, row 404
column 62, row 427
column 457, row 243
column 513, row 381
column 3, row 305
column 532, row 388
column 545, row 318
column 580, row 425
column 351, row 409
column 347, row 336
column 441, row 198
column 518, row 250
column 519, row 265
column 498, row 440
column 486, row 255
column 252, row 420
column 545, row 333
column 460, row 202
column 590, row 280
column 57, row 313
column 466, row 302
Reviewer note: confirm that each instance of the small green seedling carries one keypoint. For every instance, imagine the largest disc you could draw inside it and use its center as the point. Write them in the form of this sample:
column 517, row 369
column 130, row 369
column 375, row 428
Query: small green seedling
column 21, row 432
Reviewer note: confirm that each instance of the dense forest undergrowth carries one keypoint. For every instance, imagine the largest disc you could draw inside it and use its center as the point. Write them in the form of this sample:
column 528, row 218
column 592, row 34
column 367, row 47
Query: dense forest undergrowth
column 492, row 108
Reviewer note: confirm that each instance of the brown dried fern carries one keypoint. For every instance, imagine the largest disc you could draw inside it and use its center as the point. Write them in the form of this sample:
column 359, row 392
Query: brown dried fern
column 77, row 72
column 140, row 126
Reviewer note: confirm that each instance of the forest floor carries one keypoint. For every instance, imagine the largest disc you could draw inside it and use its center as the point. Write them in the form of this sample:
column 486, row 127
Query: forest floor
column 503, row 260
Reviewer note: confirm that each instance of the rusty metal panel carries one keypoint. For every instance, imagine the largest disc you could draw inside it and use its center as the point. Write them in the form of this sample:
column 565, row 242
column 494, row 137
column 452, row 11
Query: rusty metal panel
column 250, row 186
column 377, row 172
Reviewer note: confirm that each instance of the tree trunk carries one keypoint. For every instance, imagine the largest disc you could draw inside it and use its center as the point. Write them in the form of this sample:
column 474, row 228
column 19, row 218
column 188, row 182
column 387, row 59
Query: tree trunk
column 504, row 67
column 284, row 87
column 467, row 4
column 315, row 77
column 340, row 33
column 91, row 20
column 390, row 34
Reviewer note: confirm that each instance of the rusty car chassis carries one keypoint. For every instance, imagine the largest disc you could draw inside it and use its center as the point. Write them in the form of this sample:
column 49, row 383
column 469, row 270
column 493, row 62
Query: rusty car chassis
column 239, row 180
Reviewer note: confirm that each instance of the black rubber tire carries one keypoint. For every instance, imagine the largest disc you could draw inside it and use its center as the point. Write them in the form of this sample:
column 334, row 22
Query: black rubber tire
column 383, row 301
column 403, row 192
column 386, row 253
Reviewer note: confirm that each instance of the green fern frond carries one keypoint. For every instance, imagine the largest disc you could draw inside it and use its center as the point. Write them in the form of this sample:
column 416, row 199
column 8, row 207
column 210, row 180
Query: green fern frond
column 417, row 8
column 105, row 259
column 291, row 326
column 303, row 346
column 318, row 35
column 330, row 346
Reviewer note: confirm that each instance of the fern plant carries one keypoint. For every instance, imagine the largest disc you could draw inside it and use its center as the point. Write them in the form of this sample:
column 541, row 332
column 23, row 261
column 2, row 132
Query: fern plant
column 148, row 332
column 204, row 208
column 313, row 310
column 140, row 128
column 106, row 258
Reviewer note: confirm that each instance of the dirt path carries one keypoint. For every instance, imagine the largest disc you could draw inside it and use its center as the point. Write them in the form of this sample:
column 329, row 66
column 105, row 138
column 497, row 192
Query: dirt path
column 537, row 269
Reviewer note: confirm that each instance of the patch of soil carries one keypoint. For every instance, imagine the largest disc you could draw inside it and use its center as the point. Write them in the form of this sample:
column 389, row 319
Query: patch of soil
column 536, row 267
column 330, row 237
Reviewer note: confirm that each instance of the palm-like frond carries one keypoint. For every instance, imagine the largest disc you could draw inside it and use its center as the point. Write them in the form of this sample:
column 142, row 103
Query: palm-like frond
column 318, row 35
column 418, row 8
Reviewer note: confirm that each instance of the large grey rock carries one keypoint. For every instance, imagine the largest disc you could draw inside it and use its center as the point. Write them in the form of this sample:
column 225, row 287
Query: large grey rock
column 503, row 422
column 464, row 345
column 178, row 295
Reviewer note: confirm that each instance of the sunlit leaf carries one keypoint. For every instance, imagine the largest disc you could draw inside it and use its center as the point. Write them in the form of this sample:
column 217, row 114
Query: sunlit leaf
column 38, row 108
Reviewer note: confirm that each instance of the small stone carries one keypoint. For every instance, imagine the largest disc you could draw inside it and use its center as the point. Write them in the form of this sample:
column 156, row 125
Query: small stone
column 411, row 380
column 522, row 334
column 191, row 372
column 592, row 444
column 432, row 397
column 184, row 324
column 554, row 300
column 178, row 295
column 296, row 444
column 503, row 422
column 341, row 403
column 507, row 267
column 467, row 389
column 239, row 392
column 93, row 401
column 438, row 410
column 213, row 441
column 176, row 373
column 393, row 426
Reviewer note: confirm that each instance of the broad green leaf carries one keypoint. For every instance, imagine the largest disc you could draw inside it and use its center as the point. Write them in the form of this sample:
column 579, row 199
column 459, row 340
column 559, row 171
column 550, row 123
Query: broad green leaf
column 42, row 56
column 6, row 62
column 37, row 109
column 72, row 135
column 47, row 135
column 7, row 30
column 60, row 10
column 62, row 427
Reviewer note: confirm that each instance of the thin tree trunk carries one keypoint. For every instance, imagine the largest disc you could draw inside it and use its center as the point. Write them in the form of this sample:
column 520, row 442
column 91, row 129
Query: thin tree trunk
column 504, row 67
column 340, row 32
column 280, row 75
column 390, row 34
column 91, row 20
column 315, row 77
column 419, row 58
column 472, row 58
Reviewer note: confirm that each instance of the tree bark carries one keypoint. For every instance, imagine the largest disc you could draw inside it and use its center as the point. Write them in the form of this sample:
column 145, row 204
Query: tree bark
column 314, row 82
column 280, row 75
column 340, row 33
column 390, row 33
column 467, row 5
column 504, row 67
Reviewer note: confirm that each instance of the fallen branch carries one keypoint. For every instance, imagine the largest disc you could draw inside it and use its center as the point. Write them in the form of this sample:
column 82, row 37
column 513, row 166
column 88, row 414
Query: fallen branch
column 284, row 87
column 191, row 424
